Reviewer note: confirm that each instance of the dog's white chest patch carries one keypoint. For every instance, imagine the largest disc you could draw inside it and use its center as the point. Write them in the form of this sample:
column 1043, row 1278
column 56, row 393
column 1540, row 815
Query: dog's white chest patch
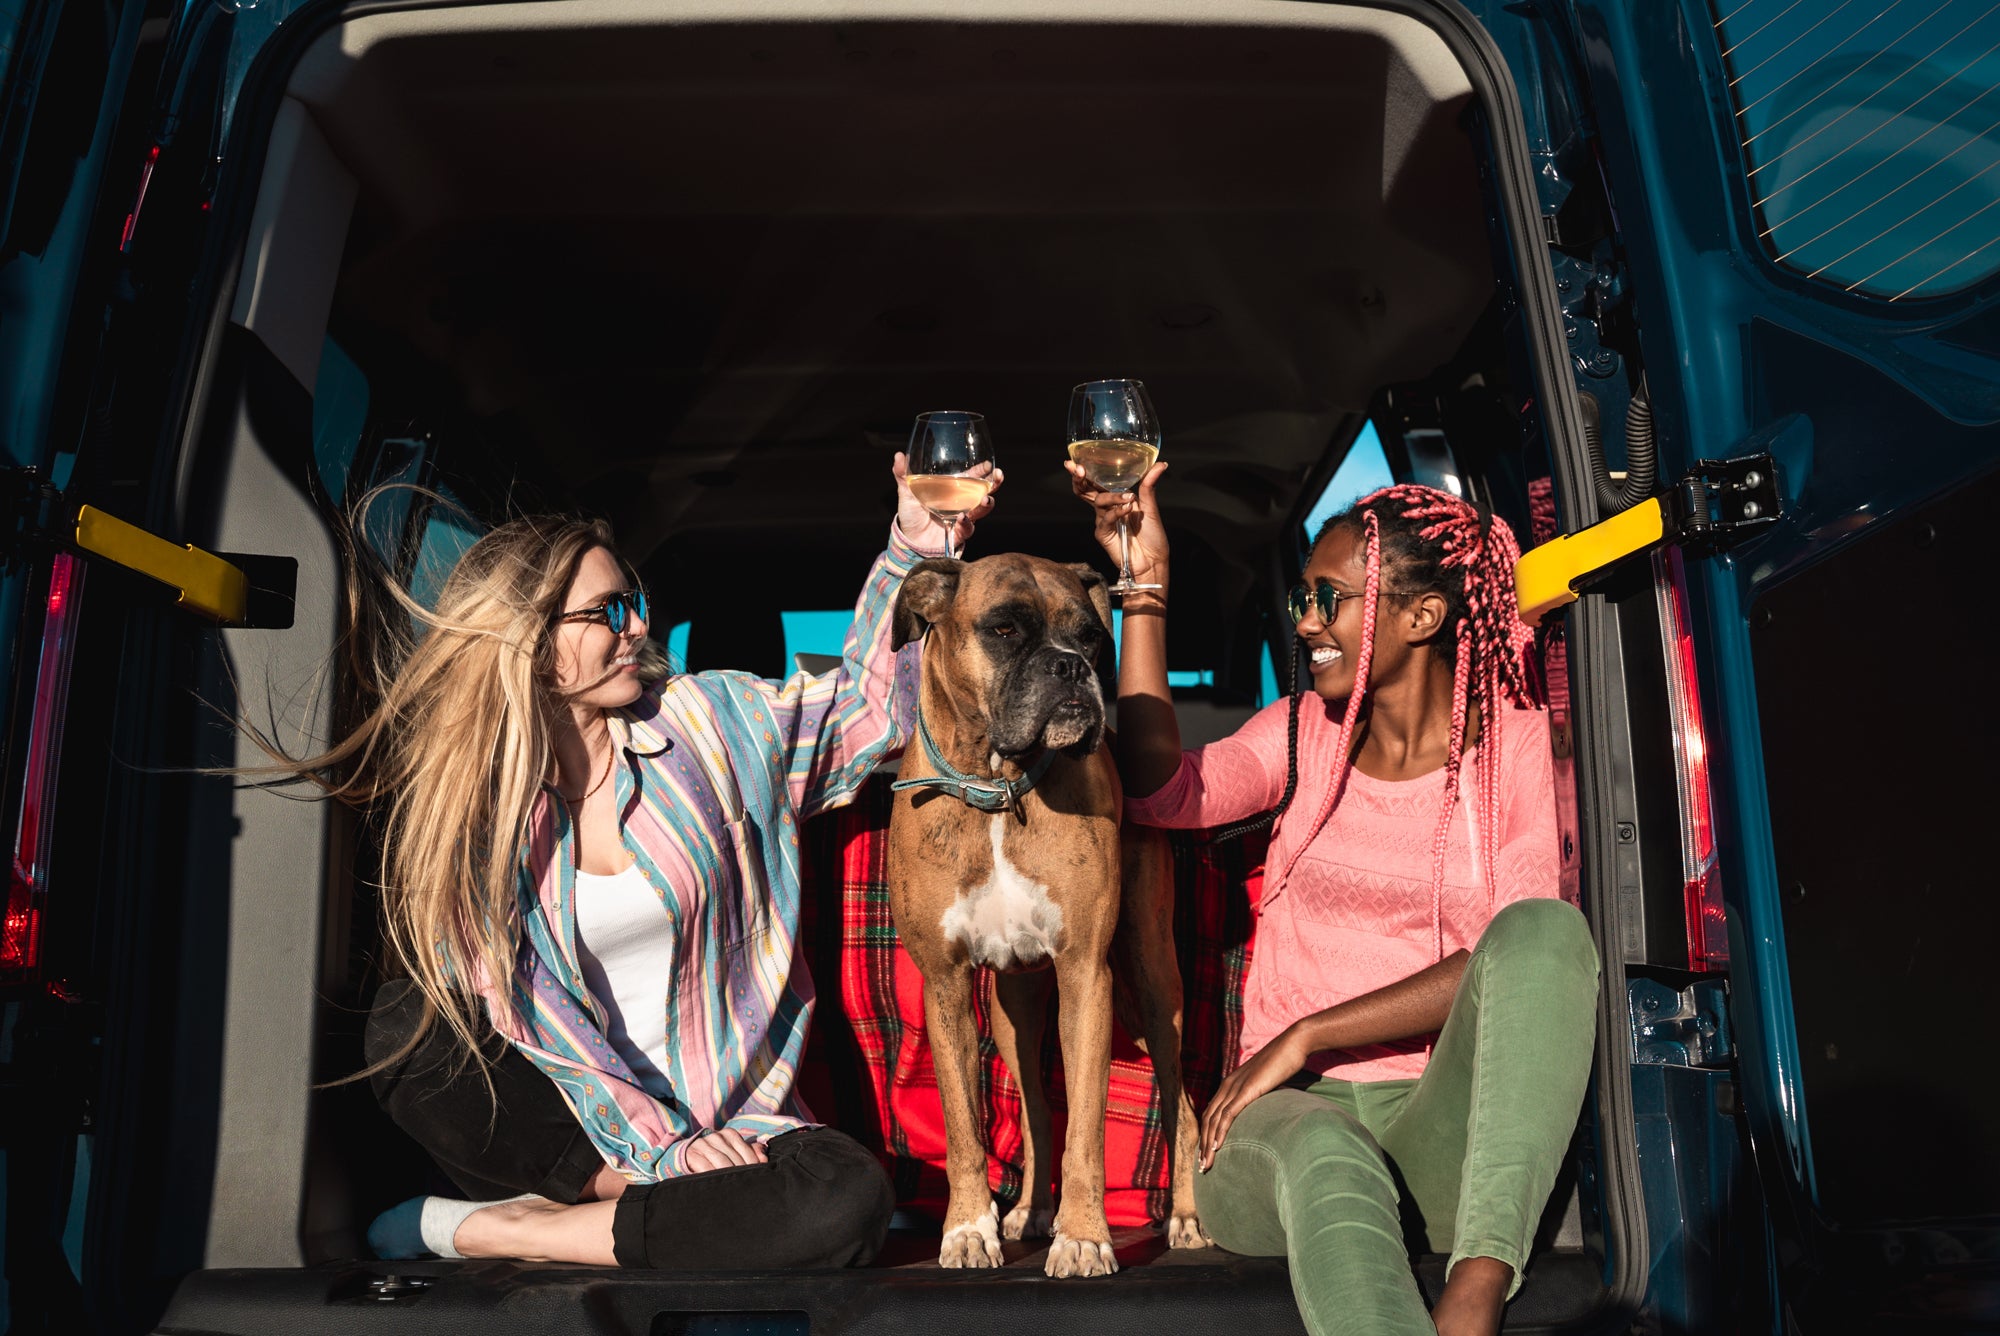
column 1008, row 920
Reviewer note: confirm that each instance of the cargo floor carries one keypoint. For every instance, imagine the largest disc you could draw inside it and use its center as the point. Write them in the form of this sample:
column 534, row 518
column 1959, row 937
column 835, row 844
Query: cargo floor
column 1157, row 1292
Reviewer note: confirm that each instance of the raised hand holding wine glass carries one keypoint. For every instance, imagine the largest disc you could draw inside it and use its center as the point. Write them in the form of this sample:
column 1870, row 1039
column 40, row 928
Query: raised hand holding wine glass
column 1114, row 439
column 951, row 468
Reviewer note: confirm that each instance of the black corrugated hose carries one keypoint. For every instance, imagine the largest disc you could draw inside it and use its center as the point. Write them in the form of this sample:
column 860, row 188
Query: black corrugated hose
column 1642, row 459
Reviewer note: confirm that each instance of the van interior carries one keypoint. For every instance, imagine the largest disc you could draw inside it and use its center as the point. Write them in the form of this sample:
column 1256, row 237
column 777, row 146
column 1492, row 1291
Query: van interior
column 695, row 269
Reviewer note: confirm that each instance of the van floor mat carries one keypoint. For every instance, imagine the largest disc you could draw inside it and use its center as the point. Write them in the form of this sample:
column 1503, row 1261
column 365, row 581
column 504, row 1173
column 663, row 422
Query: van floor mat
column 1155, row 1290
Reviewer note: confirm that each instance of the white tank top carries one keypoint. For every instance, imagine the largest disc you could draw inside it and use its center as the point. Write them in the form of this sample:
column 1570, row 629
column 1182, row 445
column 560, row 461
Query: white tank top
column 624, row 941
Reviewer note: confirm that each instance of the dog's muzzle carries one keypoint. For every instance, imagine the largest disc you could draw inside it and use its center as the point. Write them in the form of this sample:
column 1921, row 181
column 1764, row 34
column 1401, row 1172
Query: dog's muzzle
column 1054, row 702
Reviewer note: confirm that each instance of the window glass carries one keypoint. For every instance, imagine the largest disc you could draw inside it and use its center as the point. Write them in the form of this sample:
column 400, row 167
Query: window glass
column 340, row 412
column 816, row 632
column 11, row 14
column 1182, row 677
column 825, row 633
column 1364, row 470
column 447, row 534
column 1871, row 135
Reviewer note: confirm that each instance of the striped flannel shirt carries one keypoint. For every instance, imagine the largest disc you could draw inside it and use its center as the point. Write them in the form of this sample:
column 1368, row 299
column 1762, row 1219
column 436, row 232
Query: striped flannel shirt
column 725, row 861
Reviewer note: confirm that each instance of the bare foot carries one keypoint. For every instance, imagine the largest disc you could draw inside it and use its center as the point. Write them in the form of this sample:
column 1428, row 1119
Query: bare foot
column 497, row 1230
column 535, row 1229
column 1474, row 1298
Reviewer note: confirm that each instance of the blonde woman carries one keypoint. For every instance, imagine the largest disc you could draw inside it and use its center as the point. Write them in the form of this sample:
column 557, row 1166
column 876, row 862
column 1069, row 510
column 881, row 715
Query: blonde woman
column 592, row 886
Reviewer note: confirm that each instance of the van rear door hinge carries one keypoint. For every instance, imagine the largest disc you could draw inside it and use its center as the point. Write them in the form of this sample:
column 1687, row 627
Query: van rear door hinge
column 1721, row 501
column 1716, row 503
column 1685, row 1028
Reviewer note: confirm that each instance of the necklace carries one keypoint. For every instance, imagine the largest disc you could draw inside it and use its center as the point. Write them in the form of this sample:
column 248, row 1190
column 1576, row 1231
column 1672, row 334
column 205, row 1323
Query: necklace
column 609, row 753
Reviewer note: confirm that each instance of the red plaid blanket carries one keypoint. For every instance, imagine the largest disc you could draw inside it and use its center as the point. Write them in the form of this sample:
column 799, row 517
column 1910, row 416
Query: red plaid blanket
column 869, row 1064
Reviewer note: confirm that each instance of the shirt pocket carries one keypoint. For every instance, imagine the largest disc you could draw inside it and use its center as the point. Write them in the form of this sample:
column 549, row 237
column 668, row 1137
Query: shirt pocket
column 744, row 898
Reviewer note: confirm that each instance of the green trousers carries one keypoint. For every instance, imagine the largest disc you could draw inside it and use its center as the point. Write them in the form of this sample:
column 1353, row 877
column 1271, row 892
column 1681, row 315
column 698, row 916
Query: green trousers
column 1476, row 1141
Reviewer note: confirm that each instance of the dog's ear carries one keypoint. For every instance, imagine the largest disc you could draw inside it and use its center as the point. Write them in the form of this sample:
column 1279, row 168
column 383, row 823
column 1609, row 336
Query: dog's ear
column 1096, row 590
column 1100, row 603
column 926, row 594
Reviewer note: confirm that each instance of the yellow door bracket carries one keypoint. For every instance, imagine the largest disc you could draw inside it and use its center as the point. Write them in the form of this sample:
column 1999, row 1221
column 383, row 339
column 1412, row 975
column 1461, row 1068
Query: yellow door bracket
column 1713, row 504
column 208, row 585
column 1549, row 576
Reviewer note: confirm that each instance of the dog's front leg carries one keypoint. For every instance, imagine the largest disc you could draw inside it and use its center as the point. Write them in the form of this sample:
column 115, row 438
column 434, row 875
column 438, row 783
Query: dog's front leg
column 971, row 1220
column 1082, row 1244
column 1020, row 1015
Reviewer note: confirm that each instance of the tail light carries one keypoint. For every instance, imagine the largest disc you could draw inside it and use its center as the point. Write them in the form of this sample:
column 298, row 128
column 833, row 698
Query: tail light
column 1707, row 923
column 27, row 888
column 139, row 198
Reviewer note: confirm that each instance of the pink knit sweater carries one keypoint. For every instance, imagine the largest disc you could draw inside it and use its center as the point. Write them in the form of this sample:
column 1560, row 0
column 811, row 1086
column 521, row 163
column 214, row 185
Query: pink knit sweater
column 1347, row 906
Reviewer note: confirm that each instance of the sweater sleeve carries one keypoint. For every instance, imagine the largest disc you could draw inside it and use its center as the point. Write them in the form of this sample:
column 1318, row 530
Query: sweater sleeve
column 1225, row 781
column 1530, row 860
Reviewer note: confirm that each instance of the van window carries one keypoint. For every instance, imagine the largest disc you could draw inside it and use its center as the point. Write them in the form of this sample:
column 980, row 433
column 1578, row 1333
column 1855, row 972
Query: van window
column 1364, row 470
column 448, row 532
column 1869, row 140
column 11, row 13
column 340, row 412
column 821, row 633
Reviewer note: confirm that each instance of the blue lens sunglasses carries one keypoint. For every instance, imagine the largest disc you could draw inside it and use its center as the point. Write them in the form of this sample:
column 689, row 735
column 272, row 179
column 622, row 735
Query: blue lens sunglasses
column 615, row 611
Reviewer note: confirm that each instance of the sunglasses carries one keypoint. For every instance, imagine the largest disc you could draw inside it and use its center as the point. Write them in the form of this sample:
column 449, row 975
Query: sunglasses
column 1328, row 599
column 615, row 611
column 1301, row 601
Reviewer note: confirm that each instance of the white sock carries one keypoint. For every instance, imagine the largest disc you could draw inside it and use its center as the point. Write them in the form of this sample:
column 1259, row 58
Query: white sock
column 443, row 1215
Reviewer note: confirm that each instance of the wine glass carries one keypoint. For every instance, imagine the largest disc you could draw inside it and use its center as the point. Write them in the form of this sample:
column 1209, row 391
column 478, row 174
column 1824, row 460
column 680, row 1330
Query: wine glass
column 1114, row 437
column 951, row 466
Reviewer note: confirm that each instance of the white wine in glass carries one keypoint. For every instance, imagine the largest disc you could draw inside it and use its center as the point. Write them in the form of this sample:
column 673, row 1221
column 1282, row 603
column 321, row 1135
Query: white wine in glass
column 951, row 466
column 948, row 494
column 1114, row 437
column 1115, row 466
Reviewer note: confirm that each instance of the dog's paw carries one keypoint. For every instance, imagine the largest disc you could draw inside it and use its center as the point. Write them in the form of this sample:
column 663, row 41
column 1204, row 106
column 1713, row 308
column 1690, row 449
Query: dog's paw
column 974, row 1244
column 1023, row 1223
column 1080, row 1257
column 1184, row 1231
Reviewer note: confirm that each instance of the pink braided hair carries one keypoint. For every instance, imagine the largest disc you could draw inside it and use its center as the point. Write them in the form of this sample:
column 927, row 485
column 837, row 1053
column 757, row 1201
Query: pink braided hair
column 1490, row 661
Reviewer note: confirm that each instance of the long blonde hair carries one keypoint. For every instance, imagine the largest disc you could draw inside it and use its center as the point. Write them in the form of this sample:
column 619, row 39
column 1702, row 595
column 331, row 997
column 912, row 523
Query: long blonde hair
column 454, row 737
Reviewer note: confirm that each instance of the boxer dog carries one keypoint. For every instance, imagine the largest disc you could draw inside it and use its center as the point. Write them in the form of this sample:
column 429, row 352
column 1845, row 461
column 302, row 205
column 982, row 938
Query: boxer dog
column 1005, row 851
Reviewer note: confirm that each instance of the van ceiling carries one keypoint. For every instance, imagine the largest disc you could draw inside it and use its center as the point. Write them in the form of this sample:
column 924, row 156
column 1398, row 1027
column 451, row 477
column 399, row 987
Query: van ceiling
column 709, row 260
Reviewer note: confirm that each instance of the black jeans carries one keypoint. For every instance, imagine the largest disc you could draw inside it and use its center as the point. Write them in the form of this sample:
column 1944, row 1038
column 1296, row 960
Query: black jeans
column 821, row 1201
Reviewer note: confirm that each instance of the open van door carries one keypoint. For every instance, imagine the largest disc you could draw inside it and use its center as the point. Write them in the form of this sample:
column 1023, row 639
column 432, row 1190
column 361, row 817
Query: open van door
column 1809, row 197
column 109, row 114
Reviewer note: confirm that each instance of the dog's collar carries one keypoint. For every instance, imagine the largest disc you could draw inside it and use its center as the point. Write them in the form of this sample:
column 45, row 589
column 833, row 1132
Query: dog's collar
column 988, row 795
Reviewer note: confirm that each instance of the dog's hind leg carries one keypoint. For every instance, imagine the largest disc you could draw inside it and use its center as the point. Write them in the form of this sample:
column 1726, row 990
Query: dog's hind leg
column 1020, row 1016
column 1149, row 997
column 971, row 1224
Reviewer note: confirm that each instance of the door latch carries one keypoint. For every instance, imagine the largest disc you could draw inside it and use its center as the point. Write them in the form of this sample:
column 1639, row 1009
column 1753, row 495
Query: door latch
column 1684, row 1028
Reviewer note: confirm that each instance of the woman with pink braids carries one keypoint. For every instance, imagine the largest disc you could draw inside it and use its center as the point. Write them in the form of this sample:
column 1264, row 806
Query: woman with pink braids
column 1420, row 1006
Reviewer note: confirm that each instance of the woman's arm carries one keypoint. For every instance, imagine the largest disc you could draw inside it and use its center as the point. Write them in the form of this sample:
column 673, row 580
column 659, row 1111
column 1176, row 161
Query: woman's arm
column 1211, row 786
column 1405, row 1009
column 1529, row 865
column 827, row 734
column 1149, row 736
